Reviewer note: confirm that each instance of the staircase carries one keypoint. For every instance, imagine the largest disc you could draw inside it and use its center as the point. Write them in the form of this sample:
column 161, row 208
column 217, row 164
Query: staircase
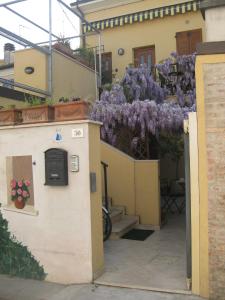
column 121, row 223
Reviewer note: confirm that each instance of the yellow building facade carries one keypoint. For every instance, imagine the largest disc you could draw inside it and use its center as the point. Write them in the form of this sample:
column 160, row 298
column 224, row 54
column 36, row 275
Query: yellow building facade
column 134, row 32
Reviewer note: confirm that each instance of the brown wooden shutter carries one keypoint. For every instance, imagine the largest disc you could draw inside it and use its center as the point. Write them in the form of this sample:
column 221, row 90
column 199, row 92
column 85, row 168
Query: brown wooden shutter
column 188, row 40
column 195, row 38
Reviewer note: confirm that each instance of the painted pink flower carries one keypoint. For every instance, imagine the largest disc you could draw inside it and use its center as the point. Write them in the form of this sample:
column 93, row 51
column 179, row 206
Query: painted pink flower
column 20, row 183
column 20, row 198
column 27, row 182
column 25, row 194
column 13, row 183
column 19, row 191
column 13, row 193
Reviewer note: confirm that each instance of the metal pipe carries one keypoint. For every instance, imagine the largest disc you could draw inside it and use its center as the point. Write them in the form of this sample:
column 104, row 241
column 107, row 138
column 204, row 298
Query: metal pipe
column 30, row 21
column 96, row 77
column 20, row 39
column 50, row 50
column 11, row 2
column 100, row 59
column 78, row 15
column 24, row 86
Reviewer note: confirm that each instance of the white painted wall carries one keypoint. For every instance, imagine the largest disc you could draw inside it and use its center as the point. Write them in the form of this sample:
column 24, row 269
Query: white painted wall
column 59, row 236
column 215, row 24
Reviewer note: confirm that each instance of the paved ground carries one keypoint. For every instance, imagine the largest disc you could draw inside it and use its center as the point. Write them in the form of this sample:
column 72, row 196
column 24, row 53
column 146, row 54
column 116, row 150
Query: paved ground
column 18, row 289
column 159, row 262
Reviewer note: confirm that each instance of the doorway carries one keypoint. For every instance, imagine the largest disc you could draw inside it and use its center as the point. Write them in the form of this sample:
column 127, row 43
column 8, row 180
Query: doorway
column 106, row 68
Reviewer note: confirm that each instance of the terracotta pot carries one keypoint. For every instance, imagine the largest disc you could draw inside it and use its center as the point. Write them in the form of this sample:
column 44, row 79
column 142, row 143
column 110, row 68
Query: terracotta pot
column 38, row 114
column 10, row 117
column 78, row 110
column 19, row 204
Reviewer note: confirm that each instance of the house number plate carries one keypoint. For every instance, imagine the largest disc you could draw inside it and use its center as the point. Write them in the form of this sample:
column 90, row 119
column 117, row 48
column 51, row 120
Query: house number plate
column 78, row 133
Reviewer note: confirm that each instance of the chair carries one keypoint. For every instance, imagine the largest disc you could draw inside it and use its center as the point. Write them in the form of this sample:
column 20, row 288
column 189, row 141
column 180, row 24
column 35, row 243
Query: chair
column 177, row 196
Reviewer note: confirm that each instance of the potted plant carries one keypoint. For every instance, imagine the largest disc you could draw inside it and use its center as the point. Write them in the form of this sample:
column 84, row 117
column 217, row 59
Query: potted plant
column 38, row 111
column 20, row 192
column 10, row 116
column 69, row 110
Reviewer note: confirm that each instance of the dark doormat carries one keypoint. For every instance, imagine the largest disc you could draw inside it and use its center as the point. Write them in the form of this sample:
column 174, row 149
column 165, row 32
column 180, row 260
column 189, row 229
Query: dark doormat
column 137, row 234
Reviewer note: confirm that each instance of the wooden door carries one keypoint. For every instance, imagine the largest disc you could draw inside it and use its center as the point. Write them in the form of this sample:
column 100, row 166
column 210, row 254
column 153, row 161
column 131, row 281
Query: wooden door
column 187, row 41
column 144, row 55
column 106, row 68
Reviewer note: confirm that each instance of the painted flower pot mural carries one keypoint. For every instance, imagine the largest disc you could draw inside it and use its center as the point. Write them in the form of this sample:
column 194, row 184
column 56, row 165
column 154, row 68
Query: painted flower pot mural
column 20, row 192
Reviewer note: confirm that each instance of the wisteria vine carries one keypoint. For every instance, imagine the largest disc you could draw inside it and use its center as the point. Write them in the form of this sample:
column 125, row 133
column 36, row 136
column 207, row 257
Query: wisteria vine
column 146, row 105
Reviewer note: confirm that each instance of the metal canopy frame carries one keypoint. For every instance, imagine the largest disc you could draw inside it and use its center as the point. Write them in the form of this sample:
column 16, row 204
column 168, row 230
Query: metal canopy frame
column 48, row 51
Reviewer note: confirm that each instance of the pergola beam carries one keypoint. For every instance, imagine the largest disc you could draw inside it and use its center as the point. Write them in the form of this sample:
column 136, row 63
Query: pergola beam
column 68, row 38
column 30, row 21
column 11, row 2
column 24, row 86
column 18, row 39
column 12, row 39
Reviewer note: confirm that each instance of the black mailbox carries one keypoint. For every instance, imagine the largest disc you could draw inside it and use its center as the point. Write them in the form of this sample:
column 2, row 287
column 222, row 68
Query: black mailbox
column 56, row 167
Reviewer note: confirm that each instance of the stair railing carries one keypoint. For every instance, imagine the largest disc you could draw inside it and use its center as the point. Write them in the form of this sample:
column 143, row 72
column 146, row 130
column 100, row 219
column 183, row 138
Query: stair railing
column 105, row 167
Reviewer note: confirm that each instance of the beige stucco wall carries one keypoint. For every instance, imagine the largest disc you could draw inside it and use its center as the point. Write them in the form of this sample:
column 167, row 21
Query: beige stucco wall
column 195, row 205
column 72, row 79
column 31, row 58
column 203, row 181
column 158, row 32
column 147, row 192
column 133, row 184
column 215, row 24
column 59, row 229
column 128, row 8
column 96, row 202
column 69, row 78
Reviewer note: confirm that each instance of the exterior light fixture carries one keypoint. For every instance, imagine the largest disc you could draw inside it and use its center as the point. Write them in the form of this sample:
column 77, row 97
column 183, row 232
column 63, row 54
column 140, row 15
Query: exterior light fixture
column 121, row 51
column 29, row 70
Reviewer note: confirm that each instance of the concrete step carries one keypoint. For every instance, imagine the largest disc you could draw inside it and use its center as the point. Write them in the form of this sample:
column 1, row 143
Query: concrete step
column 116, row 214
column 120, row 207
column 126, row 224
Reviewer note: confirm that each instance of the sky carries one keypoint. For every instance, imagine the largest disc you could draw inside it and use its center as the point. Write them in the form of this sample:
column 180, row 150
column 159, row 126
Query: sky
column 64, row 23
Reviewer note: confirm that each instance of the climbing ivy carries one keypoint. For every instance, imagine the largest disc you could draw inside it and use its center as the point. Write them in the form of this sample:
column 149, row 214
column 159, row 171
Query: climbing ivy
column 16, row 259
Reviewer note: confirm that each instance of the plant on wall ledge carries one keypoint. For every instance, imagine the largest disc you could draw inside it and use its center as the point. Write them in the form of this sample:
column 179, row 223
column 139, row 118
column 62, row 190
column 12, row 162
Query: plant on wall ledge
column 16, row 259
column 20, row 192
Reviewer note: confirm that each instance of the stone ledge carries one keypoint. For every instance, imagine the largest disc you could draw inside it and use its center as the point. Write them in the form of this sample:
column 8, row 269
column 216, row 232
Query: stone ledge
column 27, row 210
column 211, row 48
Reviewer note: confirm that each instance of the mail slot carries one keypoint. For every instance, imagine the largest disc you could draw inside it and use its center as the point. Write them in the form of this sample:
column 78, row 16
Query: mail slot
column 56, row 167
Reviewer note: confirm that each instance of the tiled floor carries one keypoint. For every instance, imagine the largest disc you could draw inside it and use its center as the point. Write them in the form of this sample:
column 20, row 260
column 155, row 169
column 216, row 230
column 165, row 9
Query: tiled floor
column 159, row 262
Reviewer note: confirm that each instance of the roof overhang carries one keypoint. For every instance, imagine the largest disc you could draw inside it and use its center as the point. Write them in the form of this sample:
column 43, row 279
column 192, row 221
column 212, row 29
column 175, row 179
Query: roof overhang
column 208, row 4
column 88, row 6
